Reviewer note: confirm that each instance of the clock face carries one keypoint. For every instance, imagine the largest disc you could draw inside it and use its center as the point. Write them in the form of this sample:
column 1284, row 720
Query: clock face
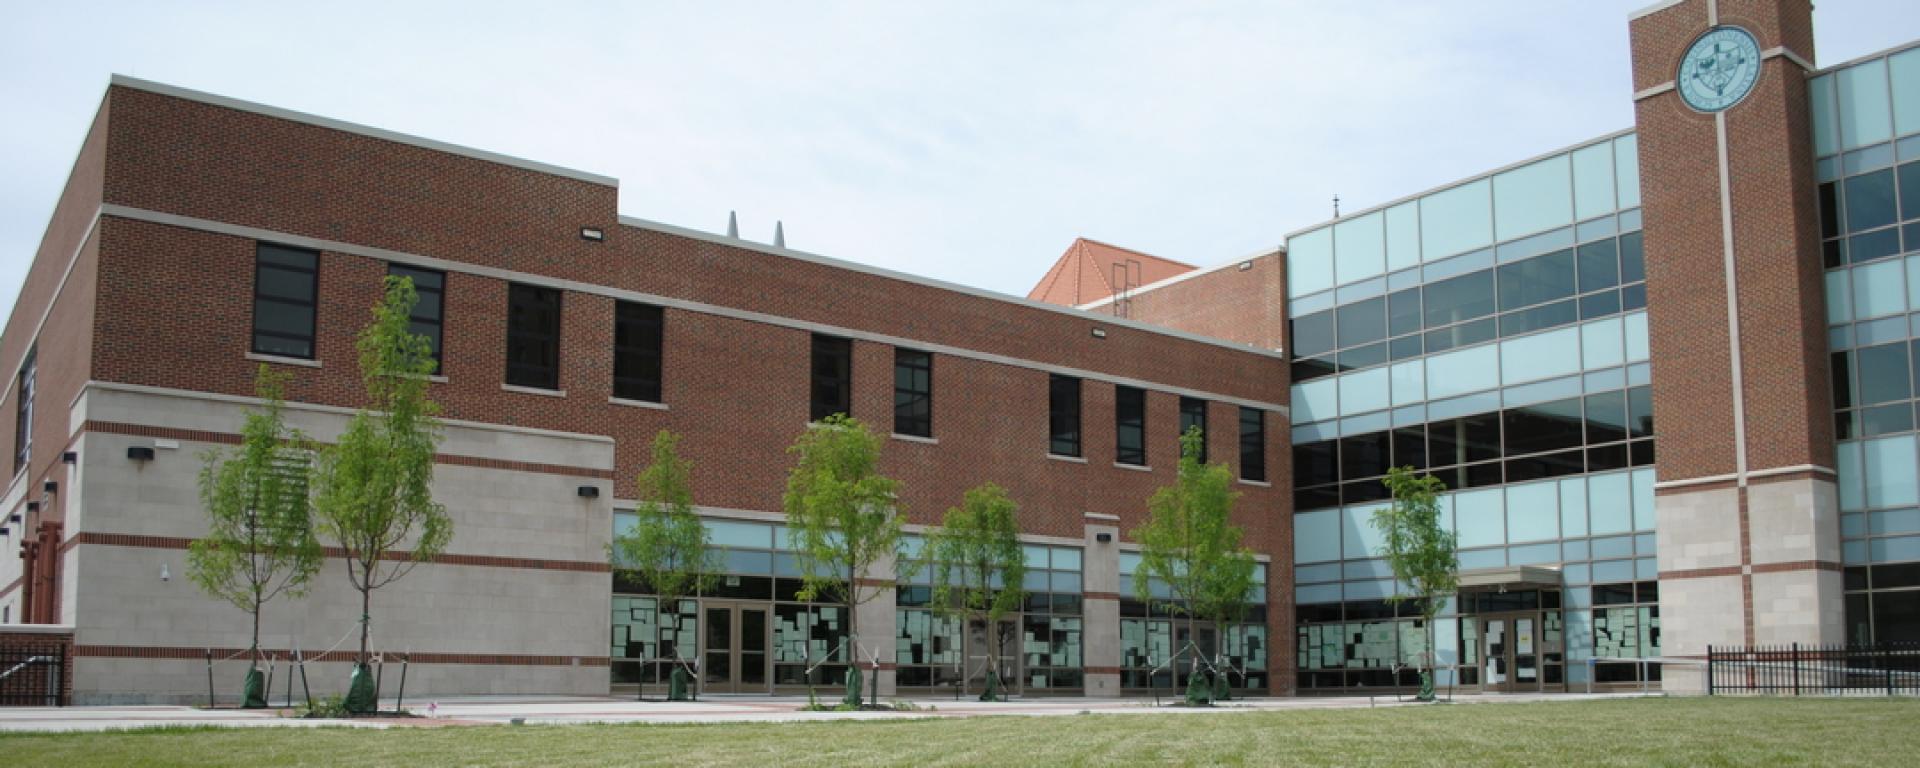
column 1719, row 69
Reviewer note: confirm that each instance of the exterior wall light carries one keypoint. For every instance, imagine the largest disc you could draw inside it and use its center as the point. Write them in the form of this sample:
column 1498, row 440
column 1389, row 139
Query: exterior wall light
column 1099, row 333
column 594, row 234
column 588, row 491
column 1103, row 537
column 140, row 452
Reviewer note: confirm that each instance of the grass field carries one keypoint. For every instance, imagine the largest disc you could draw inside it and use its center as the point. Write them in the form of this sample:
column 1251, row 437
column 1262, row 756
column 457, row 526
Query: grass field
column 1617, row 732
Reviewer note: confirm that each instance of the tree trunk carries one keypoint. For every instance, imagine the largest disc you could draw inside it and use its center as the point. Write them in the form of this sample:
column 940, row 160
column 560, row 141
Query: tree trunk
column 366, row 616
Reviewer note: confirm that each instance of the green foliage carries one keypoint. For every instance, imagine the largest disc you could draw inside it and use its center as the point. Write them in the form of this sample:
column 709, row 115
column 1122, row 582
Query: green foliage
column 1190, row 542
column 667, row 547
column 259, row 543
column 977, row 565
column 373, row 490
column 1419, row 549
column 329, row 707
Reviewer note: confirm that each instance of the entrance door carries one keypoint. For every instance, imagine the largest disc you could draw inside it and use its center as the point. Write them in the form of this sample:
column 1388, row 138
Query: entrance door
column 1511, row 653
column 733, row 648
column 980, row 655
column 1206, row 648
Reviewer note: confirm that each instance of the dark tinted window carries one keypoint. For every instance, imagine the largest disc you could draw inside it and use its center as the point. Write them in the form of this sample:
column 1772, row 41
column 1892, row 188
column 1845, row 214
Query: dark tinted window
column 1606, row 417
column 533, row 336
column 285, row 294
column 1830, row 208
column 1460, row 335
column 1313, row 334
column 1842, row 379
column 1873, row 245
column 1363, row 357
column 27, row 386
column 1470, row 438
column 832, row 377
column 430, row 286
column 1640, row 412
column 1363, row 321
column 1869, row 200
column 1316, row 463
column 1363, row 456
column 1130, row 425
column 1063, row 415
column 1544, row 427
column 1403, row 312
column 1883, row 372
column 1541, row 278
column 1910, row 191
column 1410, row 447
column 1253, row 444
column 1599, row 265
column 1633, row 264
column 1193, row 413
column 638, row 333
column 1537, row 318
column 1460, row 298
column 912, row 393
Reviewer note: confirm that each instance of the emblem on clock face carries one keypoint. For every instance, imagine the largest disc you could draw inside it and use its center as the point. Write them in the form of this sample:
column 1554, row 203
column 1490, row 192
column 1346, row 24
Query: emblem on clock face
column 1719, row 69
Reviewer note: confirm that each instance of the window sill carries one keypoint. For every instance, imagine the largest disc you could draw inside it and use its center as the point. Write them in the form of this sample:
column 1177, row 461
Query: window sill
column 917, row 439
column 533, row 390
column 1254, row 483
column 279, row 360
column 1134, row 467
column 1060, row 457
column 637, row 403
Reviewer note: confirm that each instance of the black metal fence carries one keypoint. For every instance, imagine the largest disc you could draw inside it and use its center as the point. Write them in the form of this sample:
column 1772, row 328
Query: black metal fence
column 1887, row 669
column 31, row 675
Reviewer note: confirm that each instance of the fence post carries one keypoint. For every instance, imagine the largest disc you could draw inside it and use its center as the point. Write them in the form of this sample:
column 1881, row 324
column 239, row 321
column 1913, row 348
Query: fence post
column 1709, row 670
column 1796, row 669
column 1886, row 661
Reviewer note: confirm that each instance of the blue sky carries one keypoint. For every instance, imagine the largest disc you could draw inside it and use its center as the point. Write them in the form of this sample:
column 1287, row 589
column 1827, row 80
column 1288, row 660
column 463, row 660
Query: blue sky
column 969, row 141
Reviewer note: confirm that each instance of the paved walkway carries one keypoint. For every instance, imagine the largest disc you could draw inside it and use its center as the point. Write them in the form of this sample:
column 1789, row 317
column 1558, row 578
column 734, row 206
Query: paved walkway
column 569, row 710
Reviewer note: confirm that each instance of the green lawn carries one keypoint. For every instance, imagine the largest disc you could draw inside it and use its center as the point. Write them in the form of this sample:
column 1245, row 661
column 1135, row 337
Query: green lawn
column 1620, row 732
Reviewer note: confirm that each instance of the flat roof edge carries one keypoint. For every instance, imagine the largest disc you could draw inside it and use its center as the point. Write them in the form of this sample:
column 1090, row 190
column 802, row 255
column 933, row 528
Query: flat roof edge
column 1653, row 9
column 828, row 261
column 1189, row 275
column 356, row 128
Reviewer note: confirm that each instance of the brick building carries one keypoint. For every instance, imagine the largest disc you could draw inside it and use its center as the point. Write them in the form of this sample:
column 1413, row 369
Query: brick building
column 1736, row 262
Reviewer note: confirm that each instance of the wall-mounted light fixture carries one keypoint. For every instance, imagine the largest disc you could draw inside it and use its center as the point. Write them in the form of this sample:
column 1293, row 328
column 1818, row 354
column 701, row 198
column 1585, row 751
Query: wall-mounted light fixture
column 1103, row 537
column 165, row 575
column 140, row 452
column 70, row 457
column 594, row 234
column 588, row 491
column 1246, row 265
column 1099, row 333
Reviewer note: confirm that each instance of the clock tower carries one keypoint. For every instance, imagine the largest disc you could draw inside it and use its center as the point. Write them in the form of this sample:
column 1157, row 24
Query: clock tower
column 1749, row 535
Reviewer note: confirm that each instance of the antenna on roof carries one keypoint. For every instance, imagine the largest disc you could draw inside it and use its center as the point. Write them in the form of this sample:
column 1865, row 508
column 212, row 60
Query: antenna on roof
column 733, row 225
column 779, row 235
column 1336, row 205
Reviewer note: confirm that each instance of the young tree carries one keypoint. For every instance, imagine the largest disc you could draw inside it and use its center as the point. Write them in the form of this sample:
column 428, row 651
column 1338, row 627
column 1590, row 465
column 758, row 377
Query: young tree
column 841, row 520
column 1420, row 551
column 373, row 489
column 667, row 546
column 259, row 543
column 1190, row 544
column 979, row 567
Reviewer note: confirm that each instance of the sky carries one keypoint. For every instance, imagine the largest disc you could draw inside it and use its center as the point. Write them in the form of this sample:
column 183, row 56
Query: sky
column 965, row 141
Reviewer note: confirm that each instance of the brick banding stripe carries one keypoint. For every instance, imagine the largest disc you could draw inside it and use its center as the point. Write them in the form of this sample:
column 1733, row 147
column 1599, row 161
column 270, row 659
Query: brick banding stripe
column 1735, row 570
column 1720, row 485
column 423, row 657
column 494, row 561
column 1100, row 596
column 1101, row 670
column 225, row 438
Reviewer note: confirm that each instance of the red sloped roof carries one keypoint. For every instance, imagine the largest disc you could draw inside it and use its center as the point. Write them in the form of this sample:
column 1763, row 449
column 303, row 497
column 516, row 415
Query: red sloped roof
column 1091, row 270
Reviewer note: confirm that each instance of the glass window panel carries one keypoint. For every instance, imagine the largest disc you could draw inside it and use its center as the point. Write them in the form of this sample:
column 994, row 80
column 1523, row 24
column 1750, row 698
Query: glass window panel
column 1634, row 328
column 1456, row 220
column 1870, row 201
column 1606, row 417
column 1409, row 383
column 285, row 284
column 1313, row 334
column 1405, row 347
column 1905, row 68
column 1316, row 400
column 1364, row 456
column 1883, row 373
column 1403, row 236
column 1909, row 175
column 1466, row 439
column 1610, row 503
column 1363, row 357
column 1826, row 138
column 1533, row 512
column 1600, row 344
column 1626, row 167
column 1532, row 198
column 1599, row 265
column 1890, row 472
column 1364, row 392
column 1633, row 265
column 1359, row 538
column 1643, row 513
column 1464, row 334
column 1885, row 420
column 1316, row 463
column 1600, row 305
column 1542, row 278
column 1540, row 356
column 1463, row 371
column 1543, row 427
column 1593, row 180
column 1410, row 447
column 1481, row 517
column 1359, row 248
column 1573, row 507
column 1640, row 412
column 1539, row 318
column 724, row 533
column 279, row 318
column 1839, row 305
column 1852, row 484
column 1874, row 245
column 1865, row 114
column 1403, row 310
column 1310, row 262
column 1363, row 322
column 1460, row 298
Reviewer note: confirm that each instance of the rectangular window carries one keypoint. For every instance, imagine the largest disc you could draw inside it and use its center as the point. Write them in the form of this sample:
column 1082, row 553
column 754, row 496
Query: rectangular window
column 23, row 417
column 1130, row 425
column 1253, row 444
column 912, row 393
column 533, row 336
column 637, row 336
column 832, row 377
column 430, row 310
column 1193, row 413
column 285, row 294
column 1063, row 415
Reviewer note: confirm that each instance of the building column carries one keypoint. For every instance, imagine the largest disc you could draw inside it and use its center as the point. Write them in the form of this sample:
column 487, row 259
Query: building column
column 1100, row 574
column 1745, row 504
column 876, row 620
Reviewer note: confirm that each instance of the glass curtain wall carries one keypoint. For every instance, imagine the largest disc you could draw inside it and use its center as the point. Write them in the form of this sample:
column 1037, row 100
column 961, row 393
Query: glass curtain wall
column 1866, row 130
column 1492, row 333
column 1047, row 629
column 1151, row 632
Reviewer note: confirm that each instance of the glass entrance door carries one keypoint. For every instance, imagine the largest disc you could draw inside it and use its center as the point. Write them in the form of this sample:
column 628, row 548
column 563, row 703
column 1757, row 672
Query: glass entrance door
column 1206, row 648
column 1511, row 646
column 733, row 655
column 980, row 652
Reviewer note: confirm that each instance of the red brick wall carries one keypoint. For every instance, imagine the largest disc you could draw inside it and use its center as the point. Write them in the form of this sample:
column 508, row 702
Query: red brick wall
column 1245, row 306
column 1781, row 295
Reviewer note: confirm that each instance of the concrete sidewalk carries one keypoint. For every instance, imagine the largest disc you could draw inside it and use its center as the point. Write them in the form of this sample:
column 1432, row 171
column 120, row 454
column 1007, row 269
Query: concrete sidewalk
column 572, row 710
